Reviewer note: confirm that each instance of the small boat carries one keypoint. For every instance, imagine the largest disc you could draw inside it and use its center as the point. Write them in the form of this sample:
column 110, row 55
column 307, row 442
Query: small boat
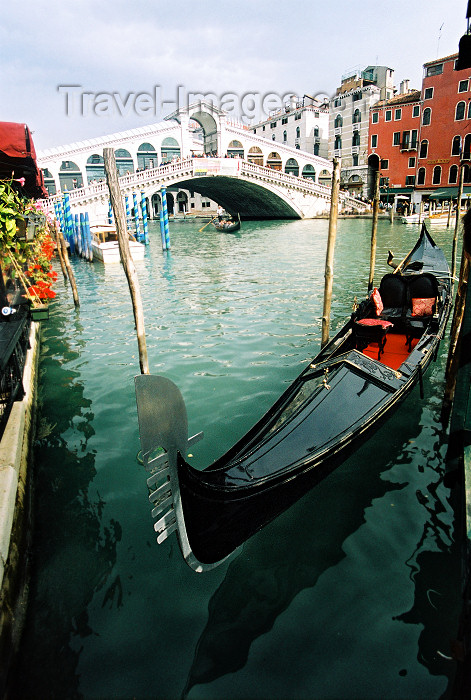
column 440, row 219
column 367, row 369
column 410, row 219
column 105, row 245
column 227, row 225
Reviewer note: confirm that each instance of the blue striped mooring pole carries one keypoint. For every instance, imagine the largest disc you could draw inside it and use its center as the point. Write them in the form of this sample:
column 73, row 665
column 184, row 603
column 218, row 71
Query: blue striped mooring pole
column 144, row 218
column 128, row 213
column 110, row 212
column 88, row 235
column 136, row 216
column 162, row 228
column 163, row 193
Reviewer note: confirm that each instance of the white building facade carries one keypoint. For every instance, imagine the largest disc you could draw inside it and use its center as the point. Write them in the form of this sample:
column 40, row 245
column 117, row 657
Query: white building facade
column 349, row 123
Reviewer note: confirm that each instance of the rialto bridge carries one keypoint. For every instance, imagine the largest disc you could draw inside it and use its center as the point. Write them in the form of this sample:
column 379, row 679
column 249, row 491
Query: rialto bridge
column 196, row 149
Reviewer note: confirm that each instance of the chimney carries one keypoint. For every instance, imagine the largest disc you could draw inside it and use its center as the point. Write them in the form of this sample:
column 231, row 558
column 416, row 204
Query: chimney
column 404, row 87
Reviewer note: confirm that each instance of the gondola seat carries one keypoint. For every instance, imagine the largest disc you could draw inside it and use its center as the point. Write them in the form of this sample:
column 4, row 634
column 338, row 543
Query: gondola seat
column 371, row 330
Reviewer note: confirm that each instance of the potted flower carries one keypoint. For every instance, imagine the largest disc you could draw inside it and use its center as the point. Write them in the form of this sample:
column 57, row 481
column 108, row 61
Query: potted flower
column 26, row 249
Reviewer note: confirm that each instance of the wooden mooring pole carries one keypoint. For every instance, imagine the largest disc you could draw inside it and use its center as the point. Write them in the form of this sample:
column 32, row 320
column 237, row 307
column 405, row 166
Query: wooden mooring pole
column 453, row 360
column 64, row 259
column 125, row 252
column 329, row 260
column 374, row 230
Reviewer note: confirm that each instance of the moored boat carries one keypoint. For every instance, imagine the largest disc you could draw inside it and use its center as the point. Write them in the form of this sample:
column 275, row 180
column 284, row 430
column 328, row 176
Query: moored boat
column 440, row 219
column 367, row 369
column 105, row 245
column 410, row 219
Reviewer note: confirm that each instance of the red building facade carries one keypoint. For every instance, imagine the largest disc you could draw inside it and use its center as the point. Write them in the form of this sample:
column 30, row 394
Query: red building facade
column 419, row 152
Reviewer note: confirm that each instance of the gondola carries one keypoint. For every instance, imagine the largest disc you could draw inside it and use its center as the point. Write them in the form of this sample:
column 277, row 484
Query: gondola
column 227, row 226
column 348, row 390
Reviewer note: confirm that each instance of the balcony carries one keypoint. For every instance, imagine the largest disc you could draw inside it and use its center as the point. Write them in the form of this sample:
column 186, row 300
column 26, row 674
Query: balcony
column 355, row 150
column 337, row 131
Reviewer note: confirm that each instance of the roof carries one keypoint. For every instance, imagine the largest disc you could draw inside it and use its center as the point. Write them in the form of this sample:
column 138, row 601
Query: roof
column 440, row 60
column 404, row 98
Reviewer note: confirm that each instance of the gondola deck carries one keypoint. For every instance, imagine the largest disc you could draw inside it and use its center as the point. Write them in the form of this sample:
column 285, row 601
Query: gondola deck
column 395, row 350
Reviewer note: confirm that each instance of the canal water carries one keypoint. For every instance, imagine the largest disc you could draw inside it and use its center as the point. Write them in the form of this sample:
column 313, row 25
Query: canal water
column 351, row 593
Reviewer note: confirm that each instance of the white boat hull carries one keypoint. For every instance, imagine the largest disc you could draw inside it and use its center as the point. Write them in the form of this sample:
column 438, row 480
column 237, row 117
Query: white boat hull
column 108, row 252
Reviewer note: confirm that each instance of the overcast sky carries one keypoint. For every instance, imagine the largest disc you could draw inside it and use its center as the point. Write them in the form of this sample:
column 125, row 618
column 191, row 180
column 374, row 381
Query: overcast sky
column 132, row 57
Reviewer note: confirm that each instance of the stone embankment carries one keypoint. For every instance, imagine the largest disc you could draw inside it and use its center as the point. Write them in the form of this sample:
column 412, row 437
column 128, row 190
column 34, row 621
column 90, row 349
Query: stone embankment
column 15, row 510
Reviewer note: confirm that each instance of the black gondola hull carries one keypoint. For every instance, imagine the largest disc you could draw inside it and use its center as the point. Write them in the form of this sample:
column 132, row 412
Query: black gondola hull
column 326, row 414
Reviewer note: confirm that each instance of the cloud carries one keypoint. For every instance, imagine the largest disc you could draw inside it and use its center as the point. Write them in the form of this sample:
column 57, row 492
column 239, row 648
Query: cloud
column 219, row 47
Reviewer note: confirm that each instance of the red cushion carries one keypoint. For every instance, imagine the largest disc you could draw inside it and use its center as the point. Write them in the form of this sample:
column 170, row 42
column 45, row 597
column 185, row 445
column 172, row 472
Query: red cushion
column 423, row 307
column 377, row 301
column 374, row 322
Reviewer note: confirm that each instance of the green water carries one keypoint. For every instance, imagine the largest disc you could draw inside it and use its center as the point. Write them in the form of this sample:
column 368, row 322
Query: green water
column 352, row 593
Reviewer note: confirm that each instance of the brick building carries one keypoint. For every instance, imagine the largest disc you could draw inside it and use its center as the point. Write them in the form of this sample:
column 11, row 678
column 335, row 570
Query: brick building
column 418, row 138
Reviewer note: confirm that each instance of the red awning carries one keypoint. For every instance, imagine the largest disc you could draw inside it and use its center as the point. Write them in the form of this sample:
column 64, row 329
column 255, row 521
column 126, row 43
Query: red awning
column 18, row 158
column 16, row 141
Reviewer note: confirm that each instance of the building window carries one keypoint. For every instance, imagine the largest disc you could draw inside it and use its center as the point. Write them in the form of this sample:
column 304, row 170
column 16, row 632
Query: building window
column 453, row 175
column 428, row 93
column 263, row 127
column 437, row 69
column 410, row 180
column 413, row 138
column 397, row 138
column 463, row 86
column 356, row 138
column 297, row 116
column 411, row 163
column 338, row 143
column 298, row 132
column 374, row 141
column 405, row 140
column 375, row 118
column 437, row 175
column 456, row 146
column 273, row 137
column 255, row 131
column 316, row 131
column 397, row 114
column 356, row 96
column 338, row 121
column 388, row 115
column 284, row 120
column 423, row 149
column 467, row 147
column 421, row 176
column 469, row 110
column 355, row 159
column 272, row 125
column 356, row 119
column 426, row 116
column 460, row 111
column 385, row 165
column 337, row 103
column 415, row 110
column 285, row 136
column 316, row 149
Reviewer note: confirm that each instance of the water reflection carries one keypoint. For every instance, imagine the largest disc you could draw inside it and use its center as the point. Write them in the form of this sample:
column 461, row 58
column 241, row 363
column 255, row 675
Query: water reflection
column 296, row 550
column 73, row 552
